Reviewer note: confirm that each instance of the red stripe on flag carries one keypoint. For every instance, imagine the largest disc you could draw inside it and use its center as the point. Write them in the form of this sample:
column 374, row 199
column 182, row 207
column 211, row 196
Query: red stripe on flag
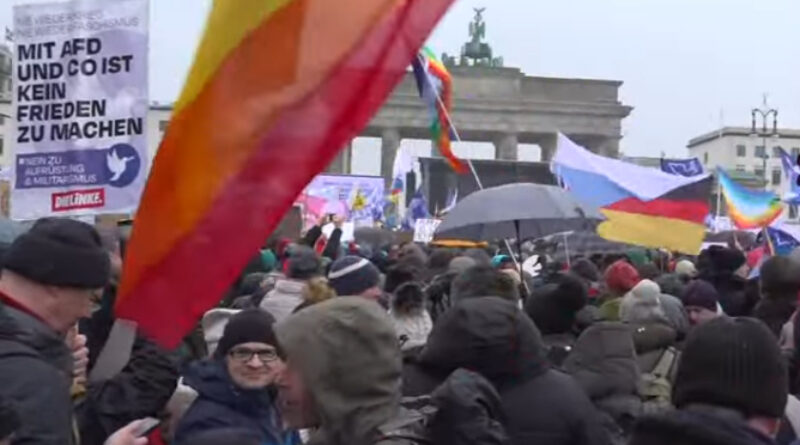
column 692, row 211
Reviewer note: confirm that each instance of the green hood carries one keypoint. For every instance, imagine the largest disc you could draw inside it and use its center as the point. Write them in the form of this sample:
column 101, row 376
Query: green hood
column 346, row 349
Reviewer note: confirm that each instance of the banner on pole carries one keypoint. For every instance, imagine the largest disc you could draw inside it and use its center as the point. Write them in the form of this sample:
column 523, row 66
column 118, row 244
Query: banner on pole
column 80, row 103
column 357, row 199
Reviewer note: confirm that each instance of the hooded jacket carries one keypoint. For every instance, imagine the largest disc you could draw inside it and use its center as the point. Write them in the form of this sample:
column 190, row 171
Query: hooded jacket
column 732, row 292
column 347, row 353
column 651, row 340
column 495, row 338
column 220, row 404
column 603, row 362
column 33, row 355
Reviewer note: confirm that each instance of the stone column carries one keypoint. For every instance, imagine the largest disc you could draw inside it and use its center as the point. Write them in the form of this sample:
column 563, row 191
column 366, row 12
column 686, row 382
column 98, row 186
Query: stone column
column 547, row 144
column 604, row 146
column 390, row 142
column 505, row 147
column 341, row 163
column 610, row 147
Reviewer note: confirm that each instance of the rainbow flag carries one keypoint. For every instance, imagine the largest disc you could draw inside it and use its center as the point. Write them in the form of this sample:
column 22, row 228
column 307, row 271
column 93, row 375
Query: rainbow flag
column 436, row 89
column 749, row 209
column 276, row 89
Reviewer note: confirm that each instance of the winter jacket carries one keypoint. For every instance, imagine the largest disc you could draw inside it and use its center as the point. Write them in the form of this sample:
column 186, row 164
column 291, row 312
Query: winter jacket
column 696, row 425
column 558, row 347
column 775, row 312
column 603, row 362
column 346, row 348
column 437, row 294
column 36, row 375
column 412, row 329
column 495, row 338
column 281, row 301
column 141, row 389
column 650, row 341
column 609, row 309
column 220, row 404
column 676, row 314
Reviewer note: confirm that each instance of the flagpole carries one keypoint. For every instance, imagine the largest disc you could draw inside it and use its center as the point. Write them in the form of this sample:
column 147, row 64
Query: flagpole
column 517, row 263
column 719, row 204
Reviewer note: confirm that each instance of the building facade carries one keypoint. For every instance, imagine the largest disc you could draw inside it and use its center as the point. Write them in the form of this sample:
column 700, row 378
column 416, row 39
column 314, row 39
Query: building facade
column 736, row 149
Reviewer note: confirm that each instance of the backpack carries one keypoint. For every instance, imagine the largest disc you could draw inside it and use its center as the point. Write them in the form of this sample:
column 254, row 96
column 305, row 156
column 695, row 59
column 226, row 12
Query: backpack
column 654, row 387
column 464, row 410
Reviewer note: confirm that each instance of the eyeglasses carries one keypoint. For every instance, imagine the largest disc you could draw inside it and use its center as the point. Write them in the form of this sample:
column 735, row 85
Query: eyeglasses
column 244, row 355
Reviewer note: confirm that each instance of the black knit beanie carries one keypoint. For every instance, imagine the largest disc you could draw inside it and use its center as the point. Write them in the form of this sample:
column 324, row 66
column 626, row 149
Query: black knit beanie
column 60, row 252
column 249, row 325
column 733, row 363
column 700, row 293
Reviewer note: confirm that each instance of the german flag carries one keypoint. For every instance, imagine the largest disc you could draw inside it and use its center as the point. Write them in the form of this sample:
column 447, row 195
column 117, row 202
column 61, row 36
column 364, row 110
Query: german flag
column 643, row 206
column 276, row 89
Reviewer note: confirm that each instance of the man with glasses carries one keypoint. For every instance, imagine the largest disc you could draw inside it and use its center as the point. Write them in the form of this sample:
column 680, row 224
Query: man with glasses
column 236, row 387
column 51, row 278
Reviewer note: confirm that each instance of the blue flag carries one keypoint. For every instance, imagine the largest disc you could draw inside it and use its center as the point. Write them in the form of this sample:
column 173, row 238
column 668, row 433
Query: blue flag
column 781, row 242
column 417, row 209
column 682, row 167
column 792, row 171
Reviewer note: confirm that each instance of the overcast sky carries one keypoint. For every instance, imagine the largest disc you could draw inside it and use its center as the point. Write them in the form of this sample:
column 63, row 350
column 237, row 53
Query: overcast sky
column 687, row 65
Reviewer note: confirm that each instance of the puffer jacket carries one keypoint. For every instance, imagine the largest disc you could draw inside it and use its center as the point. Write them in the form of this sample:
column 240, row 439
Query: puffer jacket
column 650, row 341
column 495, row 338
column 603, row 362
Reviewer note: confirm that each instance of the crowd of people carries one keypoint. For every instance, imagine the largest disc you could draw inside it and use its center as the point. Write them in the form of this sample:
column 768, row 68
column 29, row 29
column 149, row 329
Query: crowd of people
column 325, row 342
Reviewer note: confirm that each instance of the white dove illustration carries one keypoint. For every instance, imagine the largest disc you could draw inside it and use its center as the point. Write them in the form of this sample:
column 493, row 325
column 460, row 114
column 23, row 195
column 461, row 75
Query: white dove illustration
column 116, row 164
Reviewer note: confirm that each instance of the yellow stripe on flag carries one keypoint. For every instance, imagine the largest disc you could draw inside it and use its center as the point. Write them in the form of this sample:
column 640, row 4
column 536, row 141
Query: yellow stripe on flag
column 229, row 22
column 652, row 231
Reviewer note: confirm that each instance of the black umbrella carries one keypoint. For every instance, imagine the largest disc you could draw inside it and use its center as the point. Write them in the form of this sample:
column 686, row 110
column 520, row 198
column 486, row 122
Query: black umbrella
column 585, row 243
column 520, row 211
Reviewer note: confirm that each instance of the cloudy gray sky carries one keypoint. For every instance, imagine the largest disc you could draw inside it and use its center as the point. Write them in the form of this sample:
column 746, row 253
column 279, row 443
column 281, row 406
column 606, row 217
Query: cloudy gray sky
column 687, row 64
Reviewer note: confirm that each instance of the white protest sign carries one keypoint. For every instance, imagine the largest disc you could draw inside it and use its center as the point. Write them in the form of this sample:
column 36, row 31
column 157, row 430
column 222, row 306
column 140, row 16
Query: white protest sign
column 424, row 230
column 348, row 231
column 80, row 102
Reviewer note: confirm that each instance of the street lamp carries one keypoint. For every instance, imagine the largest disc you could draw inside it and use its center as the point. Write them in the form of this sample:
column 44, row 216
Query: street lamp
column 764, row 112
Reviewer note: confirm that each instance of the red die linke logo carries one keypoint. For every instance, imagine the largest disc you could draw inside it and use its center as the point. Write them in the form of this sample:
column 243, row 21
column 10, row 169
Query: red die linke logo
column 79, row 199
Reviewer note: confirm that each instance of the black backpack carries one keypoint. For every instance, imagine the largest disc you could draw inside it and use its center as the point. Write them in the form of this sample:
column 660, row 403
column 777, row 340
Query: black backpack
column 464, row 410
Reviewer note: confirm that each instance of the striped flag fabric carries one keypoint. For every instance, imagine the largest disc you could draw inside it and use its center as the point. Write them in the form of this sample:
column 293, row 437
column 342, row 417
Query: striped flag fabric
column 643, row 206
column 748, row 208
column 436, row 89
column 277, row 87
